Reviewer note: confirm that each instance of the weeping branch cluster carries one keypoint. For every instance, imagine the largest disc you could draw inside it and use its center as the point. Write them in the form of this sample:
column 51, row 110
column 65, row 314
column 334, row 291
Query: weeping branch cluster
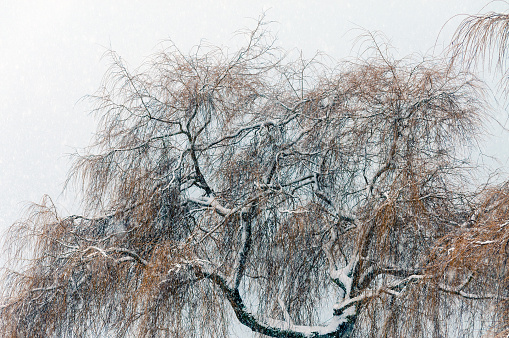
column 255, row 185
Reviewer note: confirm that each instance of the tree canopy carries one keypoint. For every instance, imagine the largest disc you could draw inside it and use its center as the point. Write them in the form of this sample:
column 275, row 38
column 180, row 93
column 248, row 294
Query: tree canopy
column 259, row 187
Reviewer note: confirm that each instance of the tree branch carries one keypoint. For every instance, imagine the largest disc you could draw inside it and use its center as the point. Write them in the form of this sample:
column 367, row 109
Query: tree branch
column 458, row 291
column 211, row 202
column 340, row 325
column 241, row 259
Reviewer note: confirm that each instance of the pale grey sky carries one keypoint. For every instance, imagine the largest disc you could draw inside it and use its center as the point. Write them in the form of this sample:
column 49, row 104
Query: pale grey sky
column 50, row 57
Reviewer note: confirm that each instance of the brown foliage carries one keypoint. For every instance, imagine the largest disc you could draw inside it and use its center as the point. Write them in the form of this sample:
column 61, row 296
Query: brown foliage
column 256, row 186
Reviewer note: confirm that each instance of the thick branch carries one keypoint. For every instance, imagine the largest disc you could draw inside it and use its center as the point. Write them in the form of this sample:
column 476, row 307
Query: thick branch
column 340, row 325
column 240, row 263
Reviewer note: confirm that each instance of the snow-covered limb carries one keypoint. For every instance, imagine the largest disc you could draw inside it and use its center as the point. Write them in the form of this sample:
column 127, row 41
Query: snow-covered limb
column 458, row 291
column 343, row 276
column 348, row 303
column 212, row 202
column 392, row 289
column 92, row 250
column 371, row 272
column 340, row 325
column 483, row 242
column 130, row 253
column 405, row 281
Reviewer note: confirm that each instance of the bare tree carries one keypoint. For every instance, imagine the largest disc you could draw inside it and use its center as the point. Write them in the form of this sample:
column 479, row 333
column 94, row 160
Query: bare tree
column 270, row 189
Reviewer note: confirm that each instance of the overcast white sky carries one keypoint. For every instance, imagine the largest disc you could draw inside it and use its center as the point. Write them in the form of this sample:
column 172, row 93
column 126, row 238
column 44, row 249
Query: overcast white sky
column 50, row 57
